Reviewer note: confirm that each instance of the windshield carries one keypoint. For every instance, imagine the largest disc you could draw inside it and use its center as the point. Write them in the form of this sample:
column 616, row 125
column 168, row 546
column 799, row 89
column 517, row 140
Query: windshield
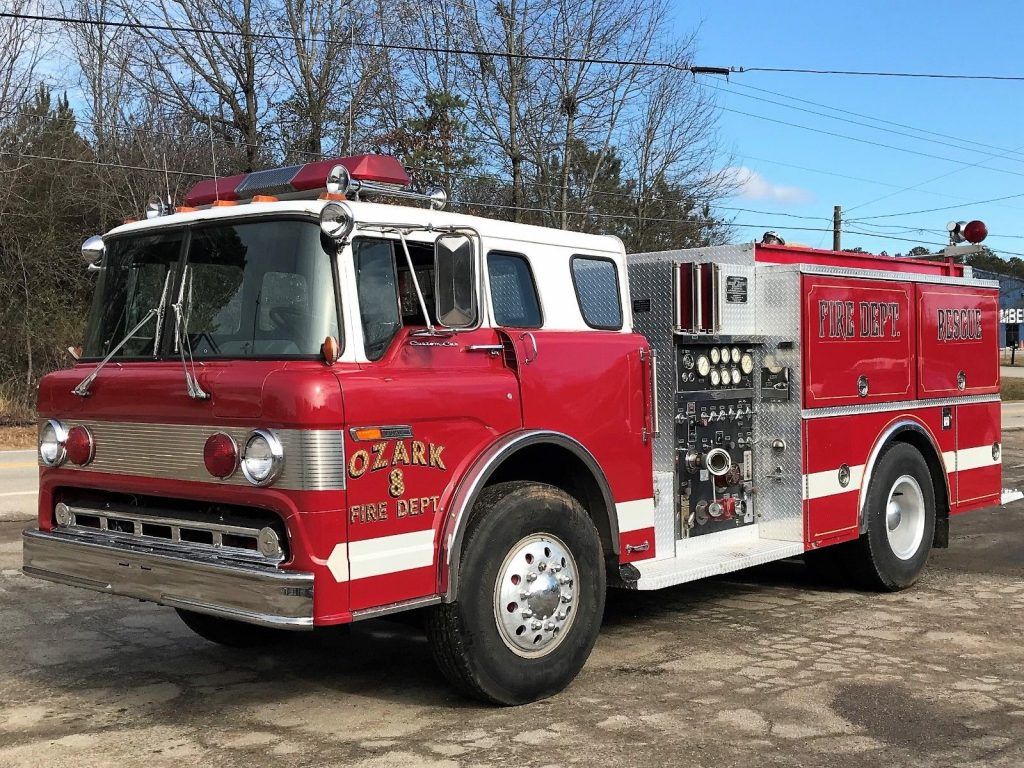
column 248, row 289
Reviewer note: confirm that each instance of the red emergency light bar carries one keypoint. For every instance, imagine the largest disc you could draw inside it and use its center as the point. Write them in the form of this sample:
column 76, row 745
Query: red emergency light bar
column 290, row 179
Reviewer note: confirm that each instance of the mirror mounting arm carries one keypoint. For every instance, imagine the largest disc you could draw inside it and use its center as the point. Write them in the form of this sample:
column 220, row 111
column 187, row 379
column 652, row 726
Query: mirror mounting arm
column 416, row 284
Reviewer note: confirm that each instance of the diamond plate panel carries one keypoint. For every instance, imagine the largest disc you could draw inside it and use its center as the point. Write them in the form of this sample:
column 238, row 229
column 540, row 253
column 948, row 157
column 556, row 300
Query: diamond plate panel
column 664, row 515
column 741, row 253
column 778, row 477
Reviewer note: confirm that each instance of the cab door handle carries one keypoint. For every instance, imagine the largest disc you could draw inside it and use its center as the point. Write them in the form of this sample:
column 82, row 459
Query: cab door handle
column 533, row 343
column 494, row 349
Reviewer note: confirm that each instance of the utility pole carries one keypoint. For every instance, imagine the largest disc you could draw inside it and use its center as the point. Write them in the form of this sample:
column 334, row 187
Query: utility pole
column 837, row 228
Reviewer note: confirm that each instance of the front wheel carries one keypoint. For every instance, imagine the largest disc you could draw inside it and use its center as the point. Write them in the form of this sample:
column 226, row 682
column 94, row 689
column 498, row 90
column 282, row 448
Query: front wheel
column 900, row 509
column 531, row 596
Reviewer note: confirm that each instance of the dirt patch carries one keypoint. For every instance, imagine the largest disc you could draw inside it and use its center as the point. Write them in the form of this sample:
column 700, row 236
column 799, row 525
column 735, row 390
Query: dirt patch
column 893, row 714
column 1012, row 388
column 17, row 438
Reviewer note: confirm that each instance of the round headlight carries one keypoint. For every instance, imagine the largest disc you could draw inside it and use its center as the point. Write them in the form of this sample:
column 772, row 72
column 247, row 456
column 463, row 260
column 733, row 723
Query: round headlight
column 336, row 221
column 263, row 457
column 52, row 439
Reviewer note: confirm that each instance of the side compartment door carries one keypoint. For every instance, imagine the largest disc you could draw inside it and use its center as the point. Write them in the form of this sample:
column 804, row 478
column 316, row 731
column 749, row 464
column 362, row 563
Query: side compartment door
column 957, row 341
column 979, row 466
column 858, row 341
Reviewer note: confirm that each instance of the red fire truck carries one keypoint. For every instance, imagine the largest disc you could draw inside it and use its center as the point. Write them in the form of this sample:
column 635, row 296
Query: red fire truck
column 295, row 407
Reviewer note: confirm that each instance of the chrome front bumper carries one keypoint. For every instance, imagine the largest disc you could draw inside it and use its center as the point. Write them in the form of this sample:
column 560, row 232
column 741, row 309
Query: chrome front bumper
column 259, row 595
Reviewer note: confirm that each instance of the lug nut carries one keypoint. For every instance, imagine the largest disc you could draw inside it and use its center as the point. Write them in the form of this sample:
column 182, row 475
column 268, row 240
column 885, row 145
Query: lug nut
column 527, row 613
column 555, row 567
column 541, row 566
column 536, row 624
column 561, row 615
column 549, row 626
column 566, row 598
column 531, row 577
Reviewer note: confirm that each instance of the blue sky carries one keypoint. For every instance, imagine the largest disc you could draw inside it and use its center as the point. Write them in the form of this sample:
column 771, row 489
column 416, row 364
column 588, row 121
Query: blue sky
column 914, row 35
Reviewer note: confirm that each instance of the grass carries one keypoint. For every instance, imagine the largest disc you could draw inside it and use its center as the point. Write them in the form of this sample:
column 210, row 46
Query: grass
column 1012, row 388
column 17, row 438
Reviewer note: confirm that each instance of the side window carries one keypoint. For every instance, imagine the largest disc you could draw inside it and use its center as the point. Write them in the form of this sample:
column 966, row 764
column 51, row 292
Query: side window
column 377, row 289
column 597, row 290
column 513, row 291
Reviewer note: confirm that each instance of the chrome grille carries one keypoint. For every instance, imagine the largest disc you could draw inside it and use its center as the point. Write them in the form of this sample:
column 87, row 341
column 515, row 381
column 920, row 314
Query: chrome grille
column 314, row 459
column 196, row 537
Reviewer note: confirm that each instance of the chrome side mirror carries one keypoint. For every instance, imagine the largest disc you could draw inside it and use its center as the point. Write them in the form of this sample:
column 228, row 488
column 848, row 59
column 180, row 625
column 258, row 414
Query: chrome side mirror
column 93, row 251
column 455, row 281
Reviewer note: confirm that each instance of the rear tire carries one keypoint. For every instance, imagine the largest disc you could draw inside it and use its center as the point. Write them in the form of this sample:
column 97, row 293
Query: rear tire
column 900, row 510
column 531, row 596
column 234, row 634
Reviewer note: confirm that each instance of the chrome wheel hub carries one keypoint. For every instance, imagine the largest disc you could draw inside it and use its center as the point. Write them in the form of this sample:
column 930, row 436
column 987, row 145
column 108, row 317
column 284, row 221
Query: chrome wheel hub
column 905, row 517
column 534, row 595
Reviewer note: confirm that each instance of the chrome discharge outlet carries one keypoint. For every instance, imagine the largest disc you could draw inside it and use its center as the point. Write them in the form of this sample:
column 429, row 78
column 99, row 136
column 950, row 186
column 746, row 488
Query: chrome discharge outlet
column 717, row 461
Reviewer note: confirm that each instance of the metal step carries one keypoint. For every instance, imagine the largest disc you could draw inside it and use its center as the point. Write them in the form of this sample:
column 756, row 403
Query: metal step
column 714, row 554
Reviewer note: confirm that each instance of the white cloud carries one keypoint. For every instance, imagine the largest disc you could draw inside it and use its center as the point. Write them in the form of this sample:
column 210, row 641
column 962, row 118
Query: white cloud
column 751, row 185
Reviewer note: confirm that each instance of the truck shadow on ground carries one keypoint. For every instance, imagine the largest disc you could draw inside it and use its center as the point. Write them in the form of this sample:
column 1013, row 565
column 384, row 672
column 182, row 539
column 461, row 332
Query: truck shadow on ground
column 387, row 660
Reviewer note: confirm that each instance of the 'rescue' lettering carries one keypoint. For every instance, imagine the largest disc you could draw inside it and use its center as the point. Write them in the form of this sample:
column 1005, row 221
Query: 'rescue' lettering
column 863, row 320
column 385, row 455
column 958, row 324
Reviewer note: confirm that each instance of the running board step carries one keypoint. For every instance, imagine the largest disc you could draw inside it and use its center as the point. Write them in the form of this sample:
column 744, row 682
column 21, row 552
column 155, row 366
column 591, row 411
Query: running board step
column 691, row 565
column 1009, row 495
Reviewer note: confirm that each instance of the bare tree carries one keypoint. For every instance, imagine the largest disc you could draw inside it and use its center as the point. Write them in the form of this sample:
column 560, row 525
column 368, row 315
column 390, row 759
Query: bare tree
column 212, row 65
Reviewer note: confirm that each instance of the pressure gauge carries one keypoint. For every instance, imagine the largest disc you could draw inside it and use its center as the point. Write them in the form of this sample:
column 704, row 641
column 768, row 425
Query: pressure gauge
column 735, row 355
column 687, row 361
column 703, row 365
column 747, row 363
column 715, row 378
column 725, row 377
column 735, row 377
column 725, row 354
column 716, row 357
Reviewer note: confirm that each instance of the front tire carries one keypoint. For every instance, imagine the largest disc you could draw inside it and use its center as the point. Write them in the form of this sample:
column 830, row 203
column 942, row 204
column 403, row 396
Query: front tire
column 531, row 596
column 900, row 511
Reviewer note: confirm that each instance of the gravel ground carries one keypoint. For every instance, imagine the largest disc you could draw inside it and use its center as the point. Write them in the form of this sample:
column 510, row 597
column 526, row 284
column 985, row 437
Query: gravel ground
column 766, row 667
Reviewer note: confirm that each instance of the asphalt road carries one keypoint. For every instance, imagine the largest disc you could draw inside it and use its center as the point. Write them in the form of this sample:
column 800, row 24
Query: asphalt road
column 767, row 667
column 19, row 483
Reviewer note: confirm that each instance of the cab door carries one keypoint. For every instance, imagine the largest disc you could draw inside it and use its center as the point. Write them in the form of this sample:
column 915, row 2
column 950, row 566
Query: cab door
column 417, row 417
column 589, row 382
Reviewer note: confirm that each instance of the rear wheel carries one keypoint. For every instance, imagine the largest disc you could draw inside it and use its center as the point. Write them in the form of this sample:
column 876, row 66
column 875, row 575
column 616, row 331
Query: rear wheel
column 235, row 634
column 900, row 510
column 531, row 596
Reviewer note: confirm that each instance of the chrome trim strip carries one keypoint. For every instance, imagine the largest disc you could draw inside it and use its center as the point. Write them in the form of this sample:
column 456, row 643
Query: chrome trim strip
column 173, row 545
column 265, row 596
column 881, row 443
column 902, row 277
column 898, row 405
column 473, row 483
column 314, row 459
column 405, row 605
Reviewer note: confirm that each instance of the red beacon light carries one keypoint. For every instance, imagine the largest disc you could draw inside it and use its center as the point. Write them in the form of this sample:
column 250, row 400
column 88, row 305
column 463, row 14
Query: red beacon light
column 220, row 455
column 79, row 446
column 294, row 181
column 973, row 231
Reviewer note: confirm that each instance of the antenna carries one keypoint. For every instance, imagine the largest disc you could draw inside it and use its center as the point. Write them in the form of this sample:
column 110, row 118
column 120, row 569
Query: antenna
column 213, row 155
column 167, row 184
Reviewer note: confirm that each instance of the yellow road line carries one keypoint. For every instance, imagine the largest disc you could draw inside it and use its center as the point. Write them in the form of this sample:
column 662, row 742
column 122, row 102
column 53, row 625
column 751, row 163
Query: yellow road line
column 19, row 465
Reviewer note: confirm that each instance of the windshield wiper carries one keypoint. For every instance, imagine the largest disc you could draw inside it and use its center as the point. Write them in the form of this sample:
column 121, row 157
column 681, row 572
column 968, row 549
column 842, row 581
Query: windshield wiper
column 82, row 390
column 181, row 340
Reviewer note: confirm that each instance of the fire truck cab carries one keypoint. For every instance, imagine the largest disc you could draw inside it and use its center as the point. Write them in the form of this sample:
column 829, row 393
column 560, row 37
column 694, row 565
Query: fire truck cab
column 297, row 408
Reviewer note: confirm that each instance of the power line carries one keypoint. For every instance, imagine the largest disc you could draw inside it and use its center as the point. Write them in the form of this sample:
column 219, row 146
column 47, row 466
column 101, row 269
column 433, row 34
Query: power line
column 941, row 208
column 993, row 155
column 867, row 141
column 150, row 27
column 864, row 73
column 869, row 117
